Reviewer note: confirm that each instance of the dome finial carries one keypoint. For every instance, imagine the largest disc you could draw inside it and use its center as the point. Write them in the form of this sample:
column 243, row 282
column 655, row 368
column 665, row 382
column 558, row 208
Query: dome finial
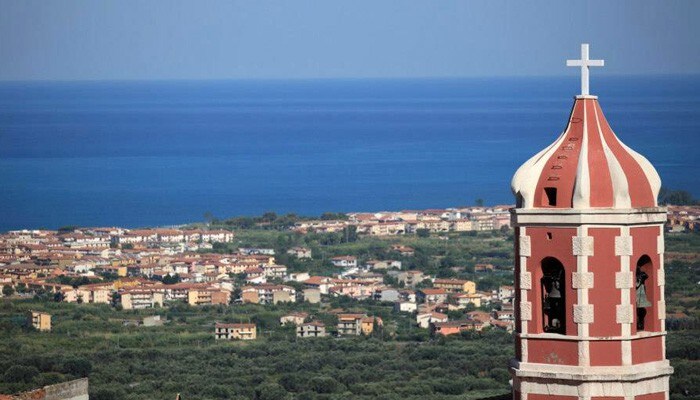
column 584, row 63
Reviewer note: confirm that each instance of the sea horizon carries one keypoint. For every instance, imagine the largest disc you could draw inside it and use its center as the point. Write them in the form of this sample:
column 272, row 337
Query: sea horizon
column 159, row 153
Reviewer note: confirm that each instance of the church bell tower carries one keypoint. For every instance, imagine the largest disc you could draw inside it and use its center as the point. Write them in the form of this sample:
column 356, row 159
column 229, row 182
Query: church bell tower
column 589, row 274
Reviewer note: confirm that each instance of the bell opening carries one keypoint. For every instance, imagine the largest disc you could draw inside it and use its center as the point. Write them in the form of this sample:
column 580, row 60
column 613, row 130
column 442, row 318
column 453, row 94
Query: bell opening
column 553, row 296
column 642, row 300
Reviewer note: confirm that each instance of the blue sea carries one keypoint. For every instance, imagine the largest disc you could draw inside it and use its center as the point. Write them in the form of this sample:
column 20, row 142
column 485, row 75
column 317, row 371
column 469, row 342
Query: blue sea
column 161, row 153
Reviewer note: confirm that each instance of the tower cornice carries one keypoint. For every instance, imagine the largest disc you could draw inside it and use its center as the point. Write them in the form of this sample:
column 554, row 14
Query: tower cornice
column 605, row 216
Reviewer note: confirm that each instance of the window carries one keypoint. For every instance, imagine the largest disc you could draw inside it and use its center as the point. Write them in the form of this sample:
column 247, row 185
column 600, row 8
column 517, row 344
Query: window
column 551, row 194
column 553, row 296
column 643, row 301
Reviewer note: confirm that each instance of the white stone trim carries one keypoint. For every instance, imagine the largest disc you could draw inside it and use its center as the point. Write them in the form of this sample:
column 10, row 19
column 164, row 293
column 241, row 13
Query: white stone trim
column 661, row 307
column 523, row 350
column 569, row 217
column 626, row 347
column 623, row 245
column 660, row 244
column 624, row 280
column 587, row 390
column 649, row 171
column 581, row 197
column 575, row 338
column 523, row 270
column 584, row 353
column 583, row 313
column 525, row 247
column 623, row 314
column 526, row 177
column 620, row 186
column 525, row 280
column 661, row 277
column 582, row 245
column 611, row 373
column 525, row 310
column 579, row 374
column 582, row 280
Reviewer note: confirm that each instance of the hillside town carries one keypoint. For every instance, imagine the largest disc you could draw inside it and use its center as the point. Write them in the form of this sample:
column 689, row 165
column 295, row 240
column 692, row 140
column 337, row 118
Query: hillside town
column 133, row 269
column 387, row 223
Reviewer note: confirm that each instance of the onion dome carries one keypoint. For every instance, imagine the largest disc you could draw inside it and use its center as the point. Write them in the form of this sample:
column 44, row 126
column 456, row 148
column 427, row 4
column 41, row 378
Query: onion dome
column 587, row 166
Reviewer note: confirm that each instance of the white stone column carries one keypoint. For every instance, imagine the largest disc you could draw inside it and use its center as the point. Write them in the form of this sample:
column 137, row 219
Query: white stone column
column 582, row 280
column 624, row 281
column 525, row 285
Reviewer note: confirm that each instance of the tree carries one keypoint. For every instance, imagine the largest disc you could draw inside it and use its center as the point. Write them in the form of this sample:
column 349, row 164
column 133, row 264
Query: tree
column 7, row 290
column 116, row 299
column 208, row 217
column 20, row 373
column 676, row 197
column 479, row 202
column 21, row 287
column 77, row 366
column 269, row 216
column 350, row 233
column 423, row 232
column 171, row 279
column 270, row 391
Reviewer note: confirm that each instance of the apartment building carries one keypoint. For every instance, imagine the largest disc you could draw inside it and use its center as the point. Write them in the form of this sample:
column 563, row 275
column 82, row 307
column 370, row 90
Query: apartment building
column 311, row 329
column 235, row 331
column 41, row 321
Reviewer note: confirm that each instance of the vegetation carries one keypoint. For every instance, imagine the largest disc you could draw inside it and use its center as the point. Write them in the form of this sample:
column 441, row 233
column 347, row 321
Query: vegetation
column 127, row 362
column 448, row 255
column 677, row 197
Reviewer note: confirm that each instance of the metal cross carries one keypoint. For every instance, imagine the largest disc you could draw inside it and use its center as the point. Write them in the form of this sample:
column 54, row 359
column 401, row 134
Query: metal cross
column 584, row 63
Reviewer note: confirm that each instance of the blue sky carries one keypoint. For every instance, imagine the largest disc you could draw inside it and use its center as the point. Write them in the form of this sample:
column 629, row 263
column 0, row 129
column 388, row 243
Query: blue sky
column 96, row 40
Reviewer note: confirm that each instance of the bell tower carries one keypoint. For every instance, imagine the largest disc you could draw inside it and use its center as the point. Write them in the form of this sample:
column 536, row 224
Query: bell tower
column 589, row 274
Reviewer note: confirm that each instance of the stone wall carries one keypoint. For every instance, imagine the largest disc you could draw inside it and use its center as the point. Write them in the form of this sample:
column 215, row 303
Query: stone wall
column 73, row 390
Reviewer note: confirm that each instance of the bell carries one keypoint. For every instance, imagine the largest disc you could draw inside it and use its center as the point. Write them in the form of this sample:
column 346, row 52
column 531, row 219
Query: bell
column 642, row 301
column 554, row 293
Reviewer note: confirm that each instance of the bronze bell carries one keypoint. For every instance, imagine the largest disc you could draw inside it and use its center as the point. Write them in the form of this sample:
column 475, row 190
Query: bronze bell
column 555, row 293
column 642, row 300
column 641, row 289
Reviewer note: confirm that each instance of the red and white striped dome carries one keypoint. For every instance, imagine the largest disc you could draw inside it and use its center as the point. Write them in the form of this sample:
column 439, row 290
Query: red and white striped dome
column 586, row 167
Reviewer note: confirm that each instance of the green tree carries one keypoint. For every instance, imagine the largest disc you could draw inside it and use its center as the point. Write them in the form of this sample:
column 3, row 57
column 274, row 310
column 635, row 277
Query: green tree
column 20, row 373
column 350, row 233
column 423, row 232
column 676, row 197
column 269, row 216
column 270, row 391
column 7, row 290
column 171, row 279
column 77, row 366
